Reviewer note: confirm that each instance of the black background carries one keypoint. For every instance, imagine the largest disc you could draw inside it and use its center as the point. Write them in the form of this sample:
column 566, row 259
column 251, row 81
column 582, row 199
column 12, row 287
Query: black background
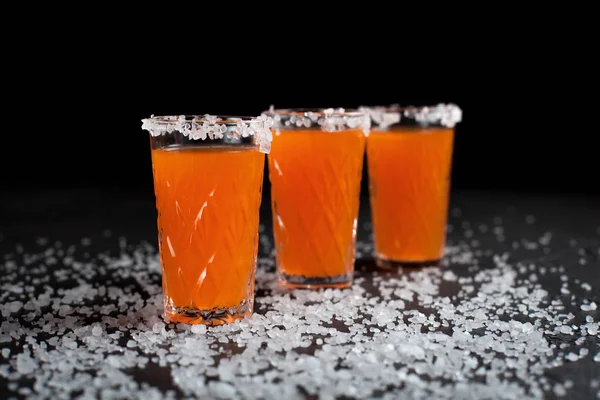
column 524, row 127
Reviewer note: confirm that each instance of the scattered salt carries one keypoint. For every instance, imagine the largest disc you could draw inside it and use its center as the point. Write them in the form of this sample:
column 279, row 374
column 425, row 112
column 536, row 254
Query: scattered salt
column 586, row 286
column 409, row 330
column 559, row 390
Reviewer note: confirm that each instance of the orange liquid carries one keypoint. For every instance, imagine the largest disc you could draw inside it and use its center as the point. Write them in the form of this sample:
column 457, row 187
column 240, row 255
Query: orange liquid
column 208, row 202
column 409, row 175
column 315, row 187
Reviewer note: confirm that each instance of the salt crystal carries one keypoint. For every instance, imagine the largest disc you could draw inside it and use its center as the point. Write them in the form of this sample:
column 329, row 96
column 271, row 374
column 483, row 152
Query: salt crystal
column 586, row 286
column 5, row 352
column 199, row 329
column 566, row 330
column 97, row 331
column 597, row 357
column 568, row 384
column 25, row 364
column 226, row 371
column 559, row 390
column 449, row 276
column 583, row 352
column 222, row 390
column 572, row 357
column 158, row 327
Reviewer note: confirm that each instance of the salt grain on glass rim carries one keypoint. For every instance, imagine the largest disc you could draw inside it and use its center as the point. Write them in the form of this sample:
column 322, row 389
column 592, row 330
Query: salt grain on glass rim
column 327, row 119
column 447, row 115
column 212, row 127
column 488, row 338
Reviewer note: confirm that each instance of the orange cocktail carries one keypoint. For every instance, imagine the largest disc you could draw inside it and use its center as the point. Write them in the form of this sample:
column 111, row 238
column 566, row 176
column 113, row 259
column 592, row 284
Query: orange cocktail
column 208, row 195
column 315, row 172
column 409, row 165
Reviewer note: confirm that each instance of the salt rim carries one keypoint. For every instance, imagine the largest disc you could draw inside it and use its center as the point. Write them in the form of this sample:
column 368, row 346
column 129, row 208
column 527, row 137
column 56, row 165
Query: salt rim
column 382, row 116
column 329, row 119
column 447, row 115
column 213, row 127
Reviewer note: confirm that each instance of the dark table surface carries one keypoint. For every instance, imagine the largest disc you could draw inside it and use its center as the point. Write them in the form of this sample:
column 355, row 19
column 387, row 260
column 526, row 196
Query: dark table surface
column 509, row 314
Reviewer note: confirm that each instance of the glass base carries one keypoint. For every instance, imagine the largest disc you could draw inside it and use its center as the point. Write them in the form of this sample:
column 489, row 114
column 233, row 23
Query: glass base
column 387, row 263
column 305, row 282
column 215, row 316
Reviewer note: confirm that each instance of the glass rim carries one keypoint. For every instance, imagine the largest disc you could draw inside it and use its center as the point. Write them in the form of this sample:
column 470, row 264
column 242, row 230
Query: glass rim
column 318, row 111
column 441, row 114
column 220, row 119
column 201, row 127
column 325, row 119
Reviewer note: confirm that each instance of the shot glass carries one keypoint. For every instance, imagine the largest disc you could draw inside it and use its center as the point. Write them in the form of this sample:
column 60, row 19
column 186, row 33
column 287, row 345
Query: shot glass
column 208, row 174
column 315, row 173
column 409, row 157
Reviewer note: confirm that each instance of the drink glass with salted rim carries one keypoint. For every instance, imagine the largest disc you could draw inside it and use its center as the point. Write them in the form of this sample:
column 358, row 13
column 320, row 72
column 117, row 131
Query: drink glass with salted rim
column 315, row 170
column 409, row 157
column 208, row 174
